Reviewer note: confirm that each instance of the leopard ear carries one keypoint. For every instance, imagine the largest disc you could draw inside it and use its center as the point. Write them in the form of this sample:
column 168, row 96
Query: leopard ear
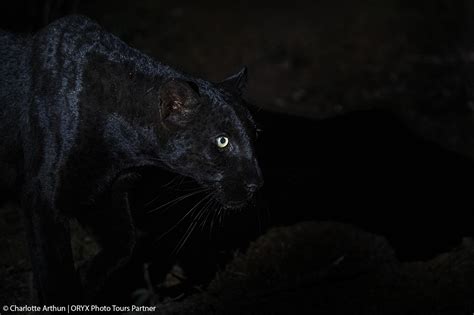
column 236, row 82
column 179, row 101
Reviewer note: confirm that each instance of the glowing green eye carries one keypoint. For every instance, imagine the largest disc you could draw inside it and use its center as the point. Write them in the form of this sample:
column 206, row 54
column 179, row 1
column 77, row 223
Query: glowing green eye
column 222, row 142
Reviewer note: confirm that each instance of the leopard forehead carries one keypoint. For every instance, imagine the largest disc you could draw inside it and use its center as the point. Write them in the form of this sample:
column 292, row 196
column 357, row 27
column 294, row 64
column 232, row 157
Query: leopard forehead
column 228, row 108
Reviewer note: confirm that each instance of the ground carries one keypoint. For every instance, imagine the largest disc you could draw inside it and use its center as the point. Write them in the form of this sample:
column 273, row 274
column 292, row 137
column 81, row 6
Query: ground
column 332, row 268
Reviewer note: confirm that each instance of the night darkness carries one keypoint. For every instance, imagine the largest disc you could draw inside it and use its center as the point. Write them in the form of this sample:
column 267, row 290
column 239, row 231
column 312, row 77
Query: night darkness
column 366, row 146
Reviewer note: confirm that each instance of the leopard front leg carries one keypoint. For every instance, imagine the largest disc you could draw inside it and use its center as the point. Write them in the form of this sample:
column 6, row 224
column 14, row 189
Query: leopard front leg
column 56, row 280
column 114, row 230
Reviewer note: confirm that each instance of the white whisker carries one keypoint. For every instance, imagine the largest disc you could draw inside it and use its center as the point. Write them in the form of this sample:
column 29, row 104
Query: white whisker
column 179, row 199
column 184, row 217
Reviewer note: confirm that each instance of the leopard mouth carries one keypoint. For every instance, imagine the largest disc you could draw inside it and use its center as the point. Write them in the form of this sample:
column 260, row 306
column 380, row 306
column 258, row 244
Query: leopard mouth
column 225, row 201
column 235, row 204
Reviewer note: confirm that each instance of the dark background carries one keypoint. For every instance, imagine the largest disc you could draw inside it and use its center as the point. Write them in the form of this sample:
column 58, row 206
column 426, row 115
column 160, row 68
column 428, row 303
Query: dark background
column 379, row 134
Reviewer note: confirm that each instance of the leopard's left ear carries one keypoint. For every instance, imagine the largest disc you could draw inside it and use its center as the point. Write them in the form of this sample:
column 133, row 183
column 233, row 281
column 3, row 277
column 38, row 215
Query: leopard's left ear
column 179, row 101
column 236, row 82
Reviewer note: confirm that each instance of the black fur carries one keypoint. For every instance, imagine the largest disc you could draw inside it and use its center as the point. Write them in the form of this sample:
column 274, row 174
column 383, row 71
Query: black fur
column 81, row 114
